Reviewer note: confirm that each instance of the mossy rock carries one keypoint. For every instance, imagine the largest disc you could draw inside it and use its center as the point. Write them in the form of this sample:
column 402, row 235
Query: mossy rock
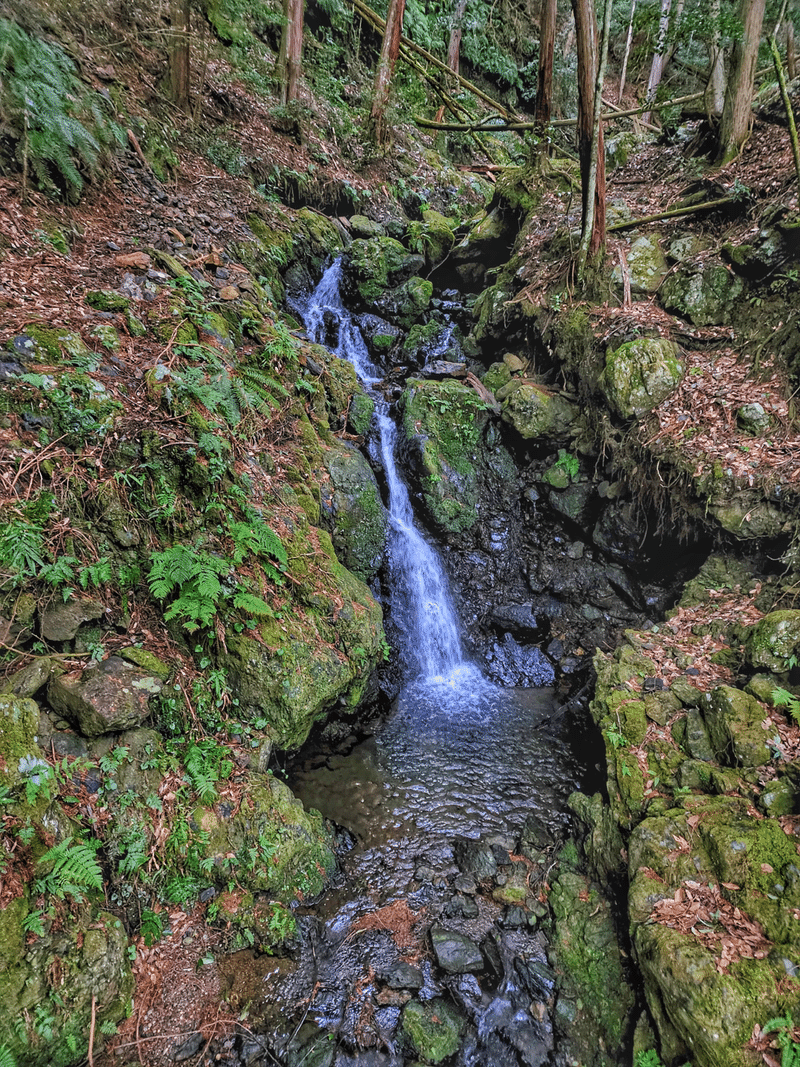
column 734, row 721
column 372, row 267
column 534, row 411
column 772, row 642
column 705, row 297
column 432, row 1029
column 590, row 967
column 295, row 849
column 641, row 374
column 107, row 300
column 444, row 422
column 321, row 652
column 20, row 756
column 647, row 266
column 356, row 517
column 437, row 236
column 75, row 974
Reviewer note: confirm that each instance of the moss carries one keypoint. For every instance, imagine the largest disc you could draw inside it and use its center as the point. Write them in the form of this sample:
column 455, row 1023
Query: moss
column 433, row 1029
column 534, row 411
column 19, row 752
column 52, row 345
column 107, row 300
column 641, row 374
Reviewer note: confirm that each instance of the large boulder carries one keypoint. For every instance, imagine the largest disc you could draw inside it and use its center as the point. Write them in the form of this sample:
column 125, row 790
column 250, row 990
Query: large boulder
column 734, row 721
column 534, row 411
column 705, row 296
column 353, row 512
column 640, row 374
column 20, row 756
column 647, row 266
column 774, row 641
column 372, row 267
column 105, row 698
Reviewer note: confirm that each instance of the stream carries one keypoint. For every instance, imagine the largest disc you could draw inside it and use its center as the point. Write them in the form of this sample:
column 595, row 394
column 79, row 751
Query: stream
column 450, row 813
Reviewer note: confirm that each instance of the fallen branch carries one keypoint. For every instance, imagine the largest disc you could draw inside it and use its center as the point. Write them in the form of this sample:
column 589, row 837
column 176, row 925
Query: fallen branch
column 674, row 213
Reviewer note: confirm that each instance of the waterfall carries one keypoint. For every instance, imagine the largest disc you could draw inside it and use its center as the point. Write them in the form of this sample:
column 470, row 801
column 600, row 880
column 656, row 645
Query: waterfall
column 422, row 606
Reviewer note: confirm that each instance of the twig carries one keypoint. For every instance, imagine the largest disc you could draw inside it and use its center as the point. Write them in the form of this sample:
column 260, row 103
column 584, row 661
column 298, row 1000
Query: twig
column 709, row 205
column 90, row 1054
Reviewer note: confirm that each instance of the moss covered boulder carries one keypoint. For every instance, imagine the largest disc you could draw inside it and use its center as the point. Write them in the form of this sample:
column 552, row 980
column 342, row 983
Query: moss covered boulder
column 353, row 511
column 640, row 374
column 54, row 986
column 20, row 756
column 301, row 662
column 735, row 726
column 534, row 411
column 104, row 698
column 772, row 642
column 444, row 423
column 276, row 846
column 436, row 236
column 372, row 267
column 705, row 296
column 432, row 1029
column 647, row 266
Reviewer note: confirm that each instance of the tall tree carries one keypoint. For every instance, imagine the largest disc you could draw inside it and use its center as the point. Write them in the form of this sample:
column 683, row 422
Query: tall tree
column 715, row 90
column 179, row 53
column 454, row 47
column 291, row 49
column 659, row 54
column 736, row 112
column 390, row 49
column 547, row 42
column 625, row 58
column 591, row 150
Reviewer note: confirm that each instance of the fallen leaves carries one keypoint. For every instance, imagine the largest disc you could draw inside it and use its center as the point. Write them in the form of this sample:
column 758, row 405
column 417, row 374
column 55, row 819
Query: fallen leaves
column 702, row 911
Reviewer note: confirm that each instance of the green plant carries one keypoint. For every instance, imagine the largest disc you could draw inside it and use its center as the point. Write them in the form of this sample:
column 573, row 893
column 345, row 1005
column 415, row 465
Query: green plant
column 7, row 1058
column 57, row 125
column 73, row 869
column 648, row 1058
column 568, row 463
column 782, row 698
column 152, row 926
column 783, row 1027
column 615, row 737
column 206, row 763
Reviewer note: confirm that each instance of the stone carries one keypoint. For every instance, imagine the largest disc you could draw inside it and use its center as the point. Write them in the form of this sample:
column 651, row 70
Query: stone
column 534, row 411
column 20, row 756
column 753, row 419
column 133, row 261
column 647, row 266
column 734, row 721
column 706, row 296
column 27, row 681
column 437, row 236
column 698, row 743
column 771, row 643
column 476, row 858
column 110, row 697
column 353, row 511
column 640, row 374
column 362, row 227
column 433, row 1029
column 456, row 953
column 404, row 976
column 148, row 661
column 60, row 622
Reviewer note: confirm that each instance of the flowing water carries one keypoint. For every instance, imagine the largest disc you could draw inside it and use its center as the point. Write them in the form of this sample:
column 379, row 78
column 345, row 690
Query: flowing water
column 457, row 759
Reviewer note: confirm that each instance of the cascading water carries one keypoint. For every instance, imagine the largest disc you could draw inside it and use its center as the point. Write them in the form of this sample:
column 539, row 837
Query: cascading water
column 457, row 759
column 423, row 607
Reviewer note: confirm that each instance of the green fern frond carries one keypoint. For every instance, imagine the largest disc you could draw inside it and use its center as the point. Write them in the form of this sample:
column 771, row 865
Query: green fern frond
column 7, row 1058
column 252, row 605
column 74, row 867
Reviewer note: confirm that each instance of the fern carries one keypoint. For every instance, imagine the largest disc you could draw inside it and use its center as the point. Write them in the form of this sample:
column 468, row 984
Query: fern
column 74, row 868
column 782, row 698
column 96, row 574
column 252, row 605
column 152, row 928
column 783, row 1026
column 59, row 573
column 259, row 539
column 58, row 124
column 20, row 550
column 7, row 1057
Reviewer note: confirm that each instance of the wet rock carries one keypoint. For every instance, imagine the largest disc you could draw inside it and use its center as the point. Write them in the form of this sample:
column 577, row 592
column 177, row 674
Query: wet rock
column 534, row 411
column 433, row 1029
column 60, row 622
column 111, row 697
column 404, row 976
column 640, row 374
column 362, row 227
column 187, row 1048
column 30, row 679
column 455, row 953
column 619, row 531
column 697, row 742
column 538, row 977
column 510, row 664
column 461, row 907
column 518, row 619
column 514, row 917
column 753, row 419
column 311, row 1047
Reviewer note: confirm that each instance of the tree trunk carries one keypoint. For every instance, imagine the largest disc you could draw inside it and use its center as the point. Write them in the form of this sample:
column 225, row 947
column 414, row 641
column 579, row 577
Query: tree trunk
column 547, row 43
column 591, row 150
column 736, row 113
column 179, row 53
column 791, row 63
column 390, row 49
column 715, row 90
column 291, row 49
column 454, row 47
column 625, row 58
column 657, row 66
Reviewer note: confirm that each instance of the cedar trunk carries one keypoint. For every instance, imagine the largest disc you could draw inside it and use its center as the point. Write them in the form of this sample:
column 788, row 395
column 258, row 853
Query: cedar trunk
column 586, row 46
column 736, row 113
column 390, row 49
column 547, row 41
column 179, row 53
column 291, row 49
column 657, row 65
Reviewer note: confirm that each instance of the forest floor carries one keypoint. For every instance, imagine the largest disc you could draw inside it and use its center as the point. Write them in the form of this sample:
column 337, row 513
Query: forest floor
column 175, row 1002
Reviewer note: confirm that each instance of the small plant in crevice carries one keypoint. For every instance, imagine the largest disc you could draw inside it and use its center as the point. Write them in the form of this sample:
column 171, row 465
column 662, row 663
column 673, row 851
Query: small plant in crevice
column 782, row 698
column 784, row 1029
